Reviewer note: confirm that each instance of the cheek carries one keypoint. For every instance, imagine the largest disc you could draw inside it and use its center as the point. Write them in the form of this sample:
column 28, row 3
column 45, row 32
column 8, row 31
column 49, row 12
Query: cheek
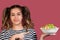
column 20, row 18
column 11, row 18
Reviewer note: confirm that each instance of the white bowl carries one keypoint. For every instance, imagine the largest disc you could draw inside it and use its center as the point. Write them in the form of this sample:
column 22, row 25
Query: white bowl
column 50, row 31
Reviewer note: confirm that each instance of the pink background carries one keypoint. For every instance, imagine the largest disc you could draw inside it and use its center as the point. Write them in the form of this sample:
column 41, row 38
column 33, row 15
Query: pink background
column 42, row 12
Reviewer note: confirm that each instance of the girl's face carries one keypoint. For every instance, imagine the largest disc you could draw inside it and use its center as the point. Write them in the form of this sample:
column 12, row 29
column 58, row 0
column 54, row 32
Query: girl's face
column 16, row 16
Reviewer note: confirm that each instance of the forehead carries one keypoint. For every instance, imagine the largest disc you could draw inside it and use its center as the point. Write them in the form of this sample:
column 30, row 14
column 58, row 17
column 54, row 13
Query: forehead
column 14, row 10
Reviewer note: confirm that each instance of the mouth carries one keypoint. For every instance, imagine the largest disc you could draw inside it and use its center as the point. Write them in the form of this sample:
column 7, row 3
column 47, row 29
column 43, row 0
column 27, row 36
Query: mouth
column 16, row 20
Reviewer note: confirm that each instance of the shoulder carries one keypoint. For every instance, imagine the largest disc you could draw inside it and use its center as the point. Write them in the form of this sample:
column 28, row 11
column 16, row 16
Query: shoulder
column 3, row 31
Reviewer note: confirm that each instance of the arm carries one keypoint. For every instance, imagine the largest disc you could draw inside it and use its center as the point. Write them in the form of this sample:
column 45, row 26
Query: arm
column 34, row 36
column 33, row 33
column 43, row 36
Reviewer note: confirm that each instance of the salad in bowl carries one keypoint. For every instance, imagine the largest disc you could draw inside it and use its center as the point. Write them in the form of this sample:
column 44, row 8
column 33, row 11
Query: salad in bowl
column 49, row 29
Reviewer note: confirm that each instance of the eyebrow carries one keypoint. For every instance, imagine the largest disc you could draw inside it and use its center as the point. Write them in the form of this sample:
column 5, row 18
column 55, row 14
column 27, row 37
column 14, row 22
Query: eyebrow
column 17, row 12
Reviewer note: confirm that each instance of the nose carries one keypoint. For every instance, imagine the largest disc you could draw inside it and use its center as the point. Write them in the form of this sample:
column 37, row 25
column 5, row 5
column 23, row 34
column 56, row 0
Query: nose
column 16, row 16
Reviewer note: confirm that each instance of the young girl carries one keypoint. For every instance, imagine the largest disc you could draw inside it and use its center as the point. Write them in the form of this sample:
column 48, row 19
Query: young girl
column 17, row 24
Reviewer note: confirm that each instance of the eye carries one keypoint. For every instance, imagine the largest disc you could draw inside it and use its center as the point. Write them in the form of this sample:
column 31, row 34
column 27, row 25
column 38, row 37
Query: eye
column 12, row 14
column 18, row 14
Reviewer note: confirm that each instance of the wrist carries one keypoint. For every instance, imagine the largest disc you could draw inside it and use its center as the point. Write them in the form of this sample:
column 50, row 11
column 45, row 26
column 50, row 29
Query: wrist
column 41, row 38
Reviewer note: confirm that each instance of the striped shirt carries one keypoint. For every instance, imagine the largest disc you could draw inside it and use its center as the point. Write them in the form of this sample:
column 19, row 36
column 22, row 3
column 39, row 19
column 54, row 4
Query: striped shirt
column 6, row 34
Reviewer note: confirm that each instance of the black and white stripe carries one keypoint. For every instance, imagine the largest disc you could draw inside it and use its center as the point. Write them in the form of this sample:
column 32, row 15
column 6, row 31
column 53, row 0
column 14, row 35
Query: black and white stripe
column 5, row 35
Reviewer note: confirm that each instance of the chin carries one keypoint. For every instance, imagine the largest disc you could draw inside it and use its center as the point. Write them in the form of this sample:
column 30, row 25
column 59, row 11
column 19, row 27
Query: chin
column 16, row 23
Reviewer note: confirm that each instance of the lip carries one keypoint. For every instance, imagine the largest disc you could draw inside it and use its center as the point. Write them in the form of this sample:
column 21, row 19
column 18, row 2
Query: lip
column 16, row 20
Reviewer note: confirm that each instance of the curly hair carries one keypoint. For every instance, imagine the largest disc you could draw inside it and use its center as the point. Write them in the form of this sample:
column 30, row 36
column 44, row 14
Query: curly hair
column 26, row 21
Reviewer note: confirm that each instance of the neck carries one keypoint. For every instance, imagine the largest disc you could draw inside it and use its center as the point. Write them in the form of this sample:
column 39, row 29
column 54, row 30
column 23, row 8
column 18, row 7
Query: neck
column 17, row 27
